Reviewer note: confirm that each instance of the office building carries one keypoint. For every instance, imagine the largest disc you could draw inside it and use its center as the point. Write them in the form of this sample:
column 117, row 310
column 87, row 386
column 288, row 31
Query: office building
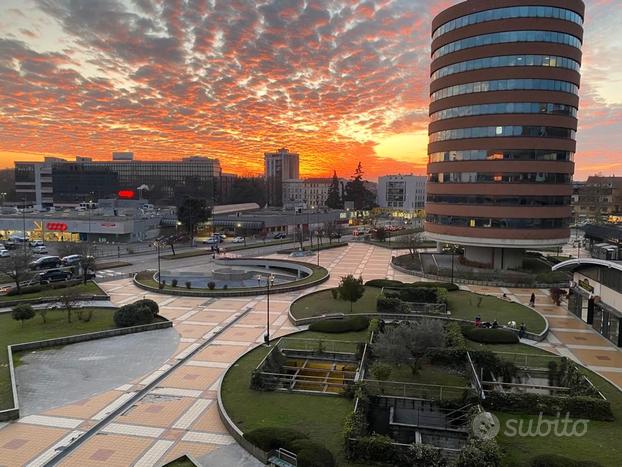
column 401, row 192
column 279, row 166
column 503, row 116
column 308, row 193
column 60, row 181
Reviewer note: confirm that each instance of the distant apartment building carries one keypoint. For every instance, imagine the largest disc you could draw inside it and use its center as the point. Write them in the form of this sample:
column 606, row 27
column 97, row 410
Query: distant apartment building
column 308, row 193
column 404, row 192
column 597, row 198
column 279, row 166
column 60, row 181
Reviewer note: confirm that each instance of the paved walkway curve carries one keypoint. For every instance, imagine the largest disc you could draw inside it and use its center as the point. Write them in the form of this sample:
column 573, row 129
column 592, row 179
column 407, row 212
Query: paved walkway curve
column 180, row 415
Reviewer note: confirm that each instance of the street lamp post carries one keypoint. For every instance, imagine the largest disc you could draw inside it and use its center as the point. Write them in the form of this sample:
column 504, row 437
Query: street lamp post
column 157, row 244
column 24, row 226
column 269, row 283
column 452, row 266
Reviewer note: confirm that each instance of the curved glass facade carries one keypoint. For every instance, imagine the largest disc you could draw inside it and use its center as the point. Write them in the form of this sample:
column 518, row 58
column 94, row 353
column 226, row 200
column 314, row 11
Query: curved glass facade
column 502, row 155
column 505, row 108
column 507, row 61
column 505, row 37
column 458, row 221
column 494, row 177
column 485, row 200
column 507, row 13
column 506, row 85
column 502, row 132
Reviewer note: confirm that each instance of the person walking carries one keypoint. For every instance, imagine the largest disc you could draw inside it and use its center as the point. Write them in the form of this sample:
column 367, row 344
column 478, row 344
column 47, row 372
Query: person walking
column 521, row 331
column 532, row 300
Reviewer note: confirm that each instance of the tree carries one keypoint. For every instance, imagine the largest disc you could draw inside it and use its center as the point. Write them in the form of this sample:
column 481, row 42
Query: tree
column 413, row 242
column 22, row 313
column 69, row 300
column 333, row 200
column 405, row 343
column 85, row 250
column 356, row 191
column 248, row 190
column 381, row 234
column 17, row 267
column 192, row 212
column 351, row 289
column 300, row 236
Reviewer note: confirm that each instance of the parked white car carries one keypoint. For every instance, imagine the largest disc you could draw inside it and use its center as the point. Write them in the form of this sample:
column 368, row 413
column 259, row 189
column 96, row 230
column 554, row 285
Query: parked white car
column 238, row 240
column 40, row 250
column 4, row 253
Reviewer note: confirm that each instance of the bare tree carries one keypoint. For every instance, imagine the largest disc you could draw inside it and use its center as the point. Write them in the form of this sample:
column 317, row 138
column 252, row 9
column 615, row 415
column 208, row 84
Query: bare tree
column 17, row 267
column 69, row 300
column 86, row 252
column 300, row 236
column 414, row 242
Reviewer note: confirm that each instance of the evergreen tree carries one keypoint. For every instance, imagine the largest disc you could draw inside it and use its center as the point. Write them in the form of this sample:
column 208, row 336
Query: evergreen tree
column 333, row 200
column 357, row 192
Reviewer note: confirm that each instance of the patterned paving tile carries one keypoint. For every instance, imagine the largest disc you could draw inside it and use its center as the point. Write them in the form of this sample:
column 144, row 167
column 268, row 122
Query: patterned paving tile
column 20, row 443
column 108, row 450
column 196, row 450
column 221, row 353
column 86, row 408
column 192, row 377
column 158, row 411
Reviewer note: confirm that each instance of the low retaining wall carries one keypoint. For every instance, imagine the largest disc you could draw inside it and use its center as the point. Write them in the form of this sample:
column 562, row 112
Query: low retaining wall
column 434, row 277
column 37, row 301
column 13, row 413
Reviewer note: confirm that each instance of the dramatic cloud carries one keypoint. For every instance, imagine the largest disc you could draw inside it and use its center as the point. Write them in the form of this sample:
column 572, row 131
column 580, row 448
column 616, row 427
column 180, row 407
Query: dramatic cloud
column 336, row 80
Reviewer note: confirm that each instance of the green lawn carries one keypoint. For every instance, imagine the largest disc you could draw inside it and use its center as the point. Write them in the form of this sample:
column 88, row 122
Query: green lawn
column 12, row 332
column 600, row 443
column 320, row 417
column 322, row 302
column 90, row 288
column 463, row 305
column 427, row 374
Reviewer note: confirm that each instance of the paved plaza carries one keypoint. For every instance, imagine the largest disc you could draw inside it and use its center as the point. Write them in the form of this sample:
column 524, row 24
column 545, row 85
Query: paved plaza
column 179, row 414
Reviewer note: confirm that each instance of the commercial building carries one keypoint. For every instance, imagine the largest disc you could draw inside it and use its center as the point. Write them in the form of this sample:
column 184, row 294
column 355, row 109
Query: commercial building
column 309, row 192
column 401, row 192
column 279, row 166
column 596, row 294
column 60, row 181
column 598, row 199
column 503, row 115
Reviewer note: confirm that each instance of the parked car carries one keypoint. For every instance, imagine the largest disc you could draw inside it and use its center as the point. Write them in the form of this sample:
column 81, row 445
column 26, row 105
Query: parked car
column 212, row 241
column 46, row 262
column 35, row 243
column 72, row 260
column 10, row 245
column 335, row 235
column 221, row 235
column 4, row 253
column 279, row 235
column 238, row 240
column 40, row 250
column 300, row 253
column 54, row 275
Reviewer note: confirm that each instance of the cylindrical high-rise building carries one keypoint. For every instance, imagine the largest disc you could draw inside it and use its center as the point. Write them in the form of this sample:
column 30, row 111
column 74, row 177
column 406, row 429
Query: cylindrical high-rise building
column 503, row 116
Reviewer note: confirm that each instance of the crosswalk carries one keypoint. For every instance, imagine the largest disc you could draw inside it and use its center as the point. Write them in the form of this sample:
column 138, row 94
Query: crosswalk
column 108, row 274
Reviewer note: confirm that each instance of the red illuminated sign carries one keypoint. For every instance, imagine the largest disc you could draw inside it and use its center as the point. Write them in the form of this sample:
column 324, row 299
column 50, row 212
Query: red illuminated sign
column 58, row 226
column 126, row 194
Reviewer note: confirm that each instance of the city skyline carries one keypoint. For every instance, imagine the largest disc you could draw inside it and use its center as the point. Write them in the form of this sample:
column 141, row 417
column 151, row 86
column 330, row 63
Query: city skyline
column 232, row 80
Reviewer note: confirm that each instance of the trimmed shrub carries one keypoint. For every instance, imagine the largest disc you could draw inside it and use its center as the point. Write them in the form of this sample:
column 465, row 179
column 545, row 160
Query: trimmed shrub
column 555, row 460
column 311, row 454
column 390, row 305
column 380, row 283
column 22, row 313
column 211, row 285
column 153, row 306
column 419, row 294
column 490, row 336
column 450, row 287
column 576, row 407
column 480, row 452
column 188, row 284
column 454, row 337
column 353, row 324
column 174, row 283
column 268, row 438
column 161, row 284
column 132, row 315
column 335, row 294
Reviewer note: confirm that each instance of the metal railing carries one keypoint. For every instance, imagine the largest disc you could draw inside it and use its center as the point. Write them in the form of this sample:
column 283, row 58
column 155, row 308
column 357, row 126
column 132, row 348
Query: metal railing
column 286, row 457
column 415, row 390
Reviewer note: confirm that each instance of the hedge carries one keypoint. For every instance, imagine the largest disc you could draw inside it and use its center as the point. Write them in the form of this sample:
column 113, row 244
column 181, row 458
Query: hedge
column 380, row 283
column 153, row 306
column 308, row 453
column 390, row 305
column 132, row 315
column 555, row 460
column 399, row 284
column 450, row 287
column 490, row 336
column 353, row 324
column 576, row 407
column 380, row 448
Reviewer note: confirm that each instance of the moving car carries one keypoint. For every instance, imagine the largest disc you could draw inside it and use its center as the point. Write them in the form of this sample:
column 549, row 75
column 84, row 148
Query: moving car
column 40, row 250
column 35, row 243
column 238, row 240
column 212, row 241
column 4, row 253
column 72, row 260
column 54, row 275
column 280, row 235
column 221, row 235
column 46, row 262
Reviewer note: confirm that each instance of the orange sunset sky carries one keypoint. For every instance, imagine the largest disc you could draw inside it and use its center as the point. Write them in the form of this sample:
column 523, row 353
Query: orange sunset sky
column 337, row 81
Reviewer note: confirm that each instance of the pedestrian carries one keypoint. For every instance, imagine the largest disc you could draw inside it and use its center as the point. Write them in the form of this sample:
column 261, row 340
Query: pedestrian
column 478, row 321
column 532, row 300
column 495, row 325
column 521, row 331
